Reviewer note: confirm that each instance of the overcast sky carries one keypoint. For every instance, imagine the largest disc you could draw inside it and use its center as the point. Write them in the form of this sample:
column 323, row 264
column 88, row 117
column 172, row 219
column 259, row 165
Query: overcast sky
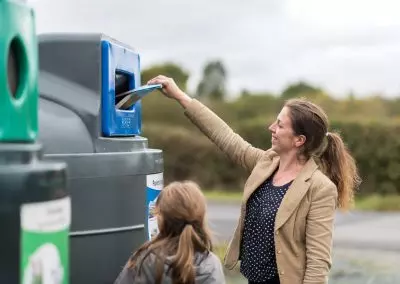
column 340, row 45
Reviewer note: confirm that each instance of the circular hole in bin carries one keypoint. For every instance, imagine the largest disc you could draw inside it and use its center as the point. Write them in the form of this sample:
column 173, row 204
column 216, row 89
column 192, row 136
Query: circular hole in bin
column 16, row 66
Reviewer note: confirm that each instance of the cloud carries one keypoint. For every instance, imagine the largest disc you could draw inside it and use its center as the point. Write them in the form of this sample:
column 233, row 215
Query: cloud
column 338, row 44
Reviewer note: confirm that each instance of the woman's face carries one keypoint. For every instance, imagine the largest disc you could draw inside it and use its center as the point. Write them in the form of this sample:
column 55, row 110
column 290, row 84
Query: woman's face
column 283, row 139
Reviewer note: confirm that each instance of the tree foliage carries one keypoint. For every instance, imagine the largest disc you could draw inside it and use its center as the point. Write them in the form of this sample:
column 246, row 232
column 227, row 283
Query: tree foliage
column 169, row 69
column 300, row 89
column 370, row 126
column 212, row 85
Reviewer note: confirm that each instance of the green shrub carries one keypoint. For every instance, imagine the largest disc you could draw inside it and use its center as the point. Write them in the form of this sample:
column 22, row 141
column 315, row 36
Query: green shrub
column 188, row 154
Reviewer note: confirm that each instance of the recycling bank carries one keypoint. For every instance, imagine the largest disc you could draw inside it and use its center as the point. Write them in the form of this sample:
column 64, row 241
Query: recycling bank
column 34, row 205
column 114, row 178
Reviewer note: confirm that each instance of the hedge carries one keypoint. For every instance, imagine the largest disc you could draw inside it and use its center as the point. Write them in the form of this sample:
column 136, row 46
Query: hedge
column 188, row 154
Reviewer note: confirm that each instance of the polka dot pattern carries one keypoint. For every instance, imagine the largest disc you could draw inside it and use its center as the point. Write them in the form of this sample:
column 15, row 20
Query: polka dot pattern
column 257, row 253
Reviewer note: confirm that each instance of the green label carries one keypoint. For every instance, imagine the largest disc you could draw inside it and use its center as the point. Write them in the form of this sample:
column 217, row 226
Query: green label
column 45, row 242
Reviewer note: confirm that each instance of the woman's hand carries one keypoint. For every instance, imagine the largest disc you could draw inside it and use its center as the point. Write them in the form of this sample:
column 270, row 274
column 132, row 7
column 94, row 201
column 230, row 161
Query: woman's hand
column 170, row 89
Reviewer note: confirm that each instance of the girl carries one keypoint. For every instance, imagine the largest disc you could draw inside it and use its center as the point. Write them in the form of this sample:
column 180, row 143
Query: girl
column 181, row 252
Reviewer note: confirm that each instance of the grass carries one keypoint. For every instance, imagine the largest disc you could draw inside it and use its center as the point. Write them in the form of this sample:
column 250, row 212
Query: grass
column 223, row 196
column 379, row 203
column 369, row 203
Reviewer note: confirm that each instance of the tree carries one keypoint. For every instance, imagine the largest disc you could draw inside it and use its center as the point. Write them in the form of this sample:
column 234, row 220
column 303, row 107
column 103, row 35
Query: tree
column 213, row 82
column 300, row 89
column 168, row 69
column 245, row 93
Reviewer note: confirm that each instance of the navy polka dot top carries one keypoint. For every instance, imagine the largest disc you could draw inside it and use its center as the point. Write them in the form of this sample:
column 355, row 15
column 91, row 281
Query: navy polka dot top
column 257, row 252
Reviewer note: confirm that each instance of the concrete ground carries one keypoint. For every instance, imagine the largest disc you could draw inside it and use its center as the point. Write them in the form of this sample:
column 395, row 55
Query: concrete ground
column 366, row 244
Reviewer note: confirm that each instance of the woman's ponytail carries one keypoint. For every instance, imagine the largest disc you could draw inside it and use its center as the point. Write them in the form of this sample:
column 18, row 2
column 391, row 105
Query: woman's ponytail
column 341, row 168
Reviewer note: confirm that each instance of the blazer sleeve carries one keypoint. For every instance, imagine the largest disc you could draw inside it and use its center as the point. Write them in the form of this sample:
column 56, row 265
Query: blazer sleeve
column 319, row 231
column 229, row 142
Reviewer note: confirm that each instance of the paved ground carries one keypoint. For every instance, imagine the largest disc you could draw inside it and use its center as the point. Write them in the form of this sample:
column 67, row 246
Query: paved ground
column 363, row 230
column 366, row 244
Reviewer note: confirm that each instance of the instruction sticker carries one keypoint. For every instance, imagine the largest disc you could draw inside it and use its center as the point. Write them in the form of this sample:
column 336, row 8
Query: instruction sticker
column 154, row 185
column 45, row 242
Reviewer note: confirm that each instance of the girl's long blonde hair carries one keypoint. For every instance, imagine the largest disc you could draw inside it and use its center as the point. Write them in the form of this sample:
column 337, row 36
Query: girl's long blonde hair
column 181, row 210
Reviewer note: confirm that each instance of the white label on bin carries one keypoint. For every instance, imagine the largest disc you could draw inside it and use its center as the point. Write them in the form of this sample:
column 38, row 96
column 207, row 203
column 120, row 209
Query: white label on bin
column 154, row 185
column 49, row 216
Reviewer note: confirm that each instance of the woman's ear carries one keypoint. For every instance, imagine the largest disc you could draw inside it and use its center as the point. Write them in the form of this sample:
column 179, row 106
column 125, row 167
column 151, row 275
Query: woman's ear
column 300, row 140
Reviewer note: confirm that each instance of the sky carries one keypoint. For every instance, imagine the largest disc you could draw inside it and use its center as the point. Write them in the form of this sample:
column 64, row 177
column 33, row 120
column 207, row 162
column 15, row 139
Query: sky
column 341, row 46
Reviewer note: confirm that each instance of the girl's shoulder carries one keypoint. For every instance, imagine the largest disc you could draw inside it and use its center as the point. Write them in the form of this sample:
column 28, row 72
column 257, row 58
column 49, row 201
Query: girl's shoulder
column 209, row 258
column 209, row 269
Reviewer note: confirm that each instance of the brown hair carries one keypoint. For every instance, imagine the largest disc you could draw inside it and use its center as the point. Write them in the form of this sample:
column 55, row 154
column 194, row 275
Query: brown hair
column 310, row 120
column 183, row 231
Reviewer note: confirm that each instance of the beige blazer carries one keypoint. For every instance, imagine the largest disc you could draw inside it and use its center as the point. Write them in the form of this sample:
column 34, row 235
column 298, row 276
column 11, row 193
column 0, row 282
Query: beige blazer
column 305, row 218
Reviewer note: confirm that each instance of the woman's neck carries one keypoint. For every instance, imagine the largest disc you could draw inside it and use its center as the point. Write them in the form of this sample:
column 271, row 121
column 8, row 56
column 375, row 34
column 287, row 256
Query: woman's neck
column 290, row 162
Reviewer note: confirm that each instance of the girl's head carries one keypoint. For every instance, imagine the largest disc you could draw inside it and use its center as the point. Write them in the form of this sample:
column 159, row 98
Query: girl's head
column 180, row 211
column 181, row 207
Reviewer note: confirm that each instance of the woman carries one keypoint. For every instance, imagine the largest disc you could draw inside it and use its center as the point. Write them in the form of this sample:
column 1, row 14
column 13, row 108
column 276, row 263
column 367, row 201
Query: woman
column 181, row 252
column 284, row 233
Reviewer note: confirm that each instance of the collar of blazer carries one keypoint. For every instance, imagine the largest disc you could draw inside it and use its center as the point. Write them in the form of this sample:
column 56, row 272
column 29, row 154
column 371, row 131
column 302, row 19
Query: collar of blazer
column 293, row 196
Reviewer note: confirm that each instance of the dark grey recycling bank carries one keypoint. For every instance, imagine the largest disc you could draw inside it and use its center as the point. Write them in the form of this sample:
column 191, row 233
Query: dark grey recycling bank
column 112, row 174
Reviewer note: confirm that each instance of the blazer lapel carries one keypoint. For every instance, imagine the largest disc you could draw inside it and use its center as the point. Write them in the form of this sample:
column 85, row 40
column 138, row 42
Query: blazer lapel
column 295, row 193
column 259, row 175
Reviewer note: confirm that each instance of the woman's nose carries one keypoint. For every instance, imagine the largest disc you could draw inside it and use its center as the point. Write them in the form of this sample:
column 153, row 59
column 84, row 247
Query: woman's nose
column 272, row 127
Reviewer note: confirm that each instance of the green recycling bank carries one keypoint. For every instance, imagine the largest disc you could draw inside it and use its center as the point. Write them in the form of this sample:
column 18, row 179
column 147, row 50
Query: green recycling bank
column 35, row 209
column 114, row 177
